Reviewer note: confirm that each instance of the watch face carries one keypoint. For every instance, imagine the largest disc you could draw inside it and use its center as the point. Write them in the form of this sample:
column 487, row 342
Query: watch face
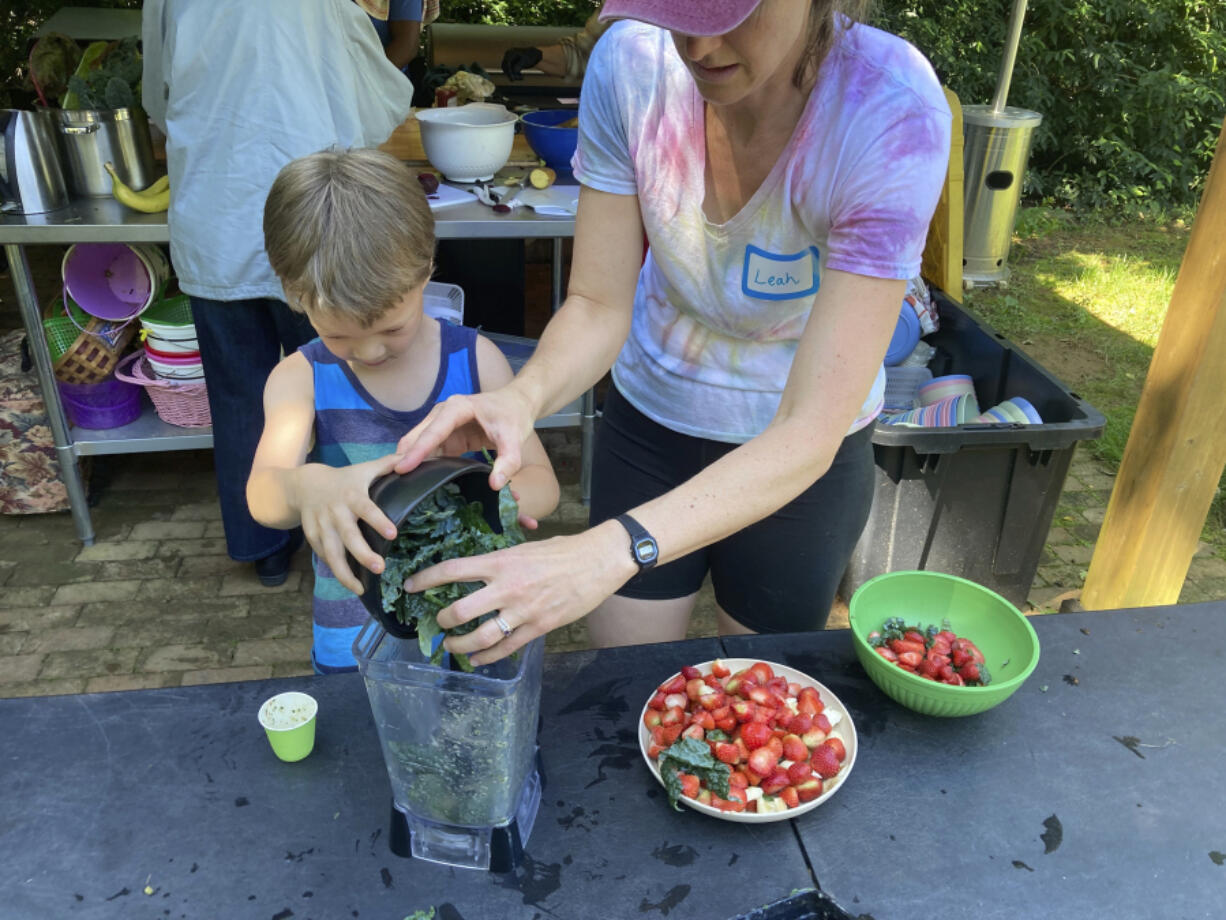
column 645, row 551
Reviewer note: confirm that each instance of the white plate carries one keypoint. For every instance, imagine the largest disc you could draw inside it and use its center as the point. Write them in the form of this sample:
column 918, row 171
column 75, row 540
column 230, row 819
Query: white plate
column 845, row 731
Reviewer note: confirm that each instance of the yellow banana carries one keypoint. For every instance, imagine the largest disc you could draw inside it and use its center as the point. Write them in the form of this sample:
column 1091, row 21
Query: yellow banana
column 160, row 184
column 147, row 200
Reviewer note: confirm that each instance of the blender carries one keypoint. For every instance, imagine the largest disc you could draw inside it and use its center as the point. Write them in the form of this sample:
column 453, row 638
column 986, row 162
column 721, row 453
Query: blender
column 459, row 746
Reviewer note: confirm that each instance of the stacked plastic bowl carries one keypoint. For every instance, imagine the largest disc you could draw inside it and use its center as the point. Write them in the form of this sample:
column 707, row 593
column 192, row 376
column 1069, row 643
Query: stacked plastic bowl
column 171, row 346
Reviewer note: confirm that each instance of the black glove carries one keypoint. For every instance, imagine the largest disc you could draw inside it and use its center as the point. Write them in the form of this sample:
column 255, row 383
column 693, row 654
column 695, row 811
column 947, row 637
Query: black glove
column 516, row 59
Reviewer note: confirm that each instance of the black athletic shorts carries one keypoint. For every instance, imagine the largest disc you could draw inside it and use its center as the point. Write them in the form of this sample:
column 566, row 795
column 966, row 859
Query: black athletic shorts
column 777, row 575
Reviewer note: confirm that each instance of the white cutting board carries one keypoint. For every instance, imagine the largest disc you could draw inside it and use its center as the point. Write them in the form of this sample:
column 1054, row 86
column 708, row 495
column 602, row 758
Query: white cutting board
column 446, row 195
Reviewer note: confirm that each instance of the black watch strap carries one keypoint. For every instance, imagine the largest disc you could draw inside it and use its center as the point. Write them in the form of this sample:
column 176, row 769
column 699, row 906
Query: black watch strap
column 643, row 548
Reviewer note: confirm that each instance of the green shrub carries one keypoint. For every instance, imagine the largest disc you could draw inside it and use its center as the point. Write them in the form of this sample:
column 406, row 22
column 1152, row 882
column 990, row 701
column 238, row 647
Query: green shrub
column 1132, row 92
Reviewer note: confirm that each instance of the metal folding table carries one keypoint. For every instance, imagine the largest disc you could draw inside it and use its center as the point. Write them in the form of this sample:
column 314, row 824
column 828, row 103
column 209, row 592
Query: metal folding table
column 103, row 220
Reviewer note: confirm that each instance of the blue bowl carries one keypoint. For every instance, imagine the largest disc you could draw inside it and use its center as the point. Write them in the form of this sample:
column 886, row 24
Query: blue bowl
column 552, row 144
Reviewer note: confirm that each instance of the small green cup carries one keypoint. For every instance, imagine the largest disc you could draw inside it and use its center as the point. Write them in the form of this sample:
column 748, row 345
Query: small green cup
column 289, row 721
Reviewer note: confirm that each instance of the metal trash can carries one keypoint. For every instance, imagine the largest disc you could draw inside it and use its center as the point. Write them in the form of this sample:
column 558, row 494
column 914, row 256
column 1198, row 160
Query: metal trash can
column 995, row 153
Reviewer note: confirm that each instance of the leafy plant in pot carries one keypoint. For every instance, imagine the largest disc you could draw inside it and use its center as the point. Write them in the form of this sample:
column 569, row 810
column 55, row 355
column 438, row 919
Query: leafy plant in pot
column 443, row 509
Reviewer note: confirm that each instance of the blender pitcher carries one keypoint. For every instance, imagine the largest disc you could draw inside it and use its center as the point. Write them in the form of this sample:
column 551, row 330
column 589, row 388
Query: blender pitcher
column 460, row 749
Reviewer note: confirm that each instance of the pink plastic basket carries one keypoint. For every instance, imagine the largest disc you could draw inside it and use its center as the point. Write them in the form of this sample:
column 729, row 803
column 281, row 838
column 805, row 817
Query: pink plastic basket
column 182, row 404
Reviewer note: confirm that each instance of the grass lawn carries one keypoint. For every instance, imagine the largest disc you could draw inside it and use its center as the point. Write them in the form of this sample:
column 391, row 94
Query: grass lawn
column 1086, row 299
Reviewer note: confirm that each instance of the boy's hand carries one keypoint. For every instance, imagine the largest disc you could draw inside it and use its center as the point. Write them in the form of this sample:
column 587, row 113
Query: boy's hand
column 330, row 501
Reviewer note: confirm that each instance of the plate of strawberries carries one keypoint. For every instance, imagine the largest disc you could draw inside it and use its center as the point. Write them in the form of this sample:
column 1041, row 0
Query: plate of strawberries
column 746, row 740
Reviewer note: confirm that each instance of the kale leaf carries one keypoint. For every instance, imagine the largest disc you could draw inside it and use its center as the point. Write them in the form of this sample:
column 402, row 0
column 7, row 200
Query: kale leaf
column 689, row 755
column 443, row 526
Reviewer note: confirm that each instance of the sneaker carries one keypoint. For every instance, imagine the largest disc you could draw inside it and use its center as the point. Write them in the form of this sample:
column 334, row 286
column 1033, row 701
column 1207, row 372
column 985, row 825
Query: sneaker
column 273, row 570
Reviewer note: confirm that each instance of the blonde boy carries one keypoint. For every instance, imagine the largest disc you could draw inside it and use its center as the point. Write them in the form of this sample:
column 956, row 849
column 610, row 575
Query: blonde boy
column 351, row 237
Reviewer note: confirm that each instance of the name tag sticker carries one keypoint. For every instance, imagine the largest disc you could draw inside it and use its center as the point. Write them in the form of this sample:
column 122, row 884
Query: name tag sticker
column 770, row 276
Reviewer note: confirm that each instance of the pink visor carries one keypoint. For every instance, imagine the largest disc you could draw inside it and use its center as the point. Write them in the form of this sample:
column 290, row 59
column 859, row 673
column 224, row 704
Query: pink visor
column 689, row 17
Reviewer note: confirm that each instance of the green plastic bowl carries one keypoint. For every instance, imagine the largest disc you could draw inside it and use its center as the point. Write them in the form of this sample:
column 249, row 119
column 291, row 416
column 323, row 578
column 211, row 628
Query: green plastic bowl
column 1008, row 641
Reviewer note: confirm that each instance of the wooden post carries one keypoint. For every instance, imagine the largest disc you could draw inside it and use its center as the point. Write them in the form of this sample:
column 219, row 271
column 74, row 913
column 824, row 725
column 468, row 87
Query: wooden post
column 942, row 263
column 1177, row 447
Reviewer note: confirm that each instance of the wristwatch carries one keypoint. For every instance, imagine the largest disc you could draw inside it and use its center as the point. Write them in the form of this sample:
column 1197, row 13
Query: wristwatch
column 643, row 548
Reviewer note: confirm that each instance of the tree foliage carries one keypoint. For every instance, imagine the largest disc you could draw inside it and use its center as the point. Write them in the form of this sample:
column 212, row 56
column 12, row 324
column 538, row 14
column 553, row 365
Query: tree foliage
column 1132, row 92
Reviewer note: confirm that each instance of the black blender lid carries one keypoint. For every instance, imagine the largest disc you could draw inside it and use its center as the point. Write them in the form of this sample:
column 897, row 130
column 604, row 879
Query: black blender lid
column 397, row 494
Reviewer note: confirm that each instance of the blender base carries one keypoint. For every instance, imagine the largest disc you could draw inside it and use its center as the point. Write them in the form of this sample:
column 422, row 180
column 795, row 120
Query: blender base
column 498, row 848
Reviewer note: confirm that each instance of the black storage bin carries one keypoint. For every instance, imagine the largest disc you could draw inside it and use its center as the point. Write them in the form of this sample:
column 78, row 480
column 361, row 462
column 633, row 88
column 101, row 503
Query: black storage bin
column 809, row 904
column 976, row 500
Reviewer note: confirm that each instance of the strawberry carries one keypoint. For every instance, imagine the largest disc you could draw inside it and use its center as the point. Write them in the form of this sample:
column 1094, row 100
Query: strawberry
column 743, row 710
column 673, row 715
column 779, row 686
column 755, row 734
column 719, row 669
column 775, row 745
column 793, row 689
column 657, row 702
column 695, row 732
column 694, row 687
column 969, row 671
column 690, row 672
column 689, row 785
column 762, row 672
column 653, row 750
column 800, row 723
column 790, row 796
column 813, row 737
column 902, row 646
column 887, row 653
column 836, row 745
column 776, row 781
column 738, row 780
column 676, row 699
column 822, row 721
column 675, row 684
column 911, row 659
column 809, row 789
column 824, row 761
column 727, row 753
column 726, row 724
column 670, row 733
column 794, row 748
column 799, row 772
column 763, row 761
column 911, row 635
column 651, row 718
column 764, row 697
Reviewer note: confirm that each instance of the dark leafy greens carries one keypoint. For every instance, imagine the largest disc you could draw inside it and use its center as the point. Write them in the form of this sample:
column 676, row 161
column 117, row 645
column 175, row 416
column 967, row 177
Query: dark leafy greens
column 689, row 755
column 109, row 77
column 443, row 526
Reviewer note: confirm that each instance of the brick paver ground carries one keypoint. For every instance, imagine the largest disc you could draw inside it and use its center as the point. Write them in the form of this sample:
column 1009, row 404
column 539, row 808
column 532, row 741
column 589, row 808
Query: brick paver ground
column 155, row 602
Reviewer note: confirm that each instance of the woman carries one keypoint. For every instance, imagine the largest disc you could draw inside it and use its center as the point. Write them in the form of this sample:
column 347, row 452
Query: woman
column 784, row 164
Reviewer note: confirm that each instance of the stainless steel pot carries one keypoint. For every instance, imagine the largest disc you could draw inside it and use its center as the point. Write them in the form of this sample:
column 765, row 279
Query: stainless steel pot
column 94, row 137
column 31, row 176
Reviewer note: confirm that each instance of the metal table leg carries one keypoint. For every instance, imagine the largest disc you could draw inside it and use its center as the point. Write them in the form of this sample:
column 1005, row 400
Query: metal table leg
column 31, row 317
column 587, row 421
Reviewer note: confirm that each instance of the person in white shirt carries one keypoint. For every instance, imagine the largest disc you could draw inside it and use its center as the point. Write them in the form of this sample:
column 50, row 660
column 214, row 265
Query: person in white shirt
column 784, row 162
column 240, row 89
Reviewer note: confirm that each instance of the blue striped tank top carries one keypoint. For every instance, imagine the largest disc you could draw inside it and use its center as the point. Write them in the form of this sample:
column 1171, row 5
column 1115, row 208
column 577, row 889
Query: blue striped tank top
column 351, row 426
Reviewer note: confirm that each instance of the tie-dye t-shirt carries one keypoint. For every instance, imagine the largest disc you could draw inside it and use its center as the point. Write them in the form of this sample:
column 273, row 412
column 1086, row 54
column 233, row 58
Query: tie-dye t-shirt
column 720, row 308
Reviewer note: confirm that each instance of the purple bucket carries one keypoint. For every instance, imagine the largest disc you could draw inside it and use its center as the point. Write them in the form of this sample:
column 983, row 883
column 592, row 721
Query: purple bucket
column 114, row 281
column 98, row 406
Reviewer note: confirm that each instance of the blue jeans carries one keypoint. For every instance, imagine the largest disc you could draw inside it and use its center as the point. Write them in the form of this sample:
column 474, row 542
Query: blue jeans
column 240, row 343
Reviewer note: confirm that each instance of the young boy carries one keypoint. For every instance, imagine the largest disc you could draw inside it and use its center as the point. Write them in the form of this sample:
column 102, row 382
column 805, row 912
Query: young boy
column 351, row 237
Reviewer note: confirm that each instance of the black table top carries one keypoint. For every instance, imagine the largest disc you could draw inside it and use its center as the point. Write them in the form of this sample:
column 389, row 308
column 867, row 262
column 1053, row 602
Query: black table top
column 1094, row 798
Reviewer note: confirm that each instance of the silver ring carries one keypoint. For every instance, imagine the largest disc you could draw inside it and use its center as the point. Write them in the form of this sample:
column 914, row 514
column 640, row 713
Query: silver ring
column 502, row 624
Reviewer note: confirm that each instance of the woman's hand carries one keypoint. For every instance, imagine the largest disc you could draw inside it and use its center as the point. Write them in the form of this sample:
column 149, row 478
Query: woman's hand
column 499, row 419
column 535, row 587
column 331, row 501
